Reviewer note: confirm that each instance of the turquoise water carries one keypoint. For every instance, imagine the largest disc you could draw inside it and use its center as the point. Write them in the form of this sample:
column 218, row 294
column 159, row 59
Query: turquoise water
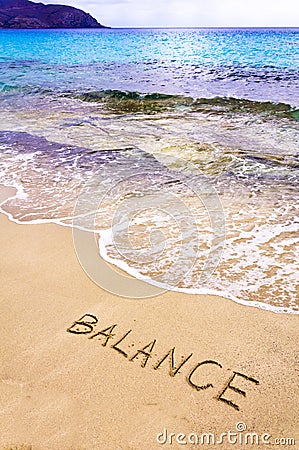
column 121, row 104
column 256, row 47
column 256, row 64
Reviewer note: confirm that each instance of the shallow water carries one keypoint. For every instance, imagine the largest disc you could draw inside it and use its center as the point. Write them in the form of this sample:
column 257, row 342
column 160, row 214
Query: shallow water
column 138, row 106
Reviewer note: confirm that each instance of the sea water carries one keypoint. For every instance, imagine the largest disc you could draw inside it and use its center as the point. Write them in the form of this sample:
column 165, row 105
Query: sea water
column 142, row 106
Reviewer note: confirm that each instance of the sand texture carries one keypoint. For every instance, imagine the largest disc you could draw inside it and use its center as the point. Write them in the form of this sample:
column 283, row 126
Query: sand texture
column 62, row 390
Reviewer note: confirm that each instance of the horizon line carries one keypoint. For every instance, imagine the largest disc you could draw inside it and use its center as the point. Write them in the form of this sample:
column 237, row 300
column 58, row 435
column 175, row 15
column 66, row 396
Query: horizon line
column 202, row 27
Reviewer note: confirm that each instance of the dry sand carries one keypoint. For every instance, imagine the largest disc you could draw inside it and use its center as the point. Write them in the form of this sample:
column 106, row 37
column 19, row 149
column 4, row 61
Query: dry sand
column 61, row 390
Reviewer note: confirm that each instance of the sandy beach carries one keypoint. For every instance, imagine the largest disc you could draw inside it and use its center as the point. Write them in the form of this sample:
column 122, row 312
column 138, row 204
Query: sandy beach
column 121, row 389
column 179, row 147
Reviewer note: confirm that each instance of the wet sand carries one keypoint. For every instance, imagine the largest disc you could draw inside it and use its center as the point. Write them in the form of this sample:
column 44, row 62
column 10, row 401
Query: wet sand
column 62, row 390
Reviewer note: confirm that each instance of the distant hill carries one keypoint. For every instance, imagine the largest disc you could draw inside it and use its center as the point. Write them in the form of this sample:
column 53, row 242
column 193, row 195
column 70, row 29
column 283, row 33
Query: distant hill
column 27, row 14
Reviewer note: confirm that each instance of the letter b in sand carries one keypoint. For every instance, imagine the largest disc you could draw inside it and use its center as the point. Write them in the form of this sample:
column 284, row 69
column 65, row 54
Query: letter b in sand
column 83, row 325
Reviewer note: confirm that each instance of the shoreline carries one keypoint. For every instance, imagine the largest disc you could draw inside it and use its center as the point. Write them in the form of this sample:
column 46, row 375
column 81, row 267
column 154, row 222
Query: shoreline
column 63, row 390
column 7, row 192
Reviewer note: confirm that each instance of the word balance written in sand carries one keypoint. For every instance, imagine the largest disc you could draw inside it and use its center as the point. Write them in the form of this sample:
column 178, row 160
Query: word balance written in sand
column 89, row 325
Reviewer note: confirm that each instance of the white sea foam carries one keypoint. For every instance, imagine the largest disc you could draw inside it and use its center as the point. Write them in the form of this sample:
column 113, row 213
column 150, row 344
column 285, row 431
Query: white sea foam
column 106, row 239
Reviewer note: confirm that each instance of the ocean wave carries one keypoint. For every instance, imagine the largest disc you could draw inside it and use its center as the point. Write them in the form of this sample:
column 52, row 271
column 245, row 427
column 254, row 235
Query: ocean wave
column 133, row 102
column 130, row 101
column 149, row 103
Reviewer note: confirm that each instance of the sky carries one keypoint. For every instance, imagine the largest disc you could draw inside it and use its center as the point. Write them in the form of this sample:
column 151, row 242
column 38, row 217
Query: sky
column 190, row 13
